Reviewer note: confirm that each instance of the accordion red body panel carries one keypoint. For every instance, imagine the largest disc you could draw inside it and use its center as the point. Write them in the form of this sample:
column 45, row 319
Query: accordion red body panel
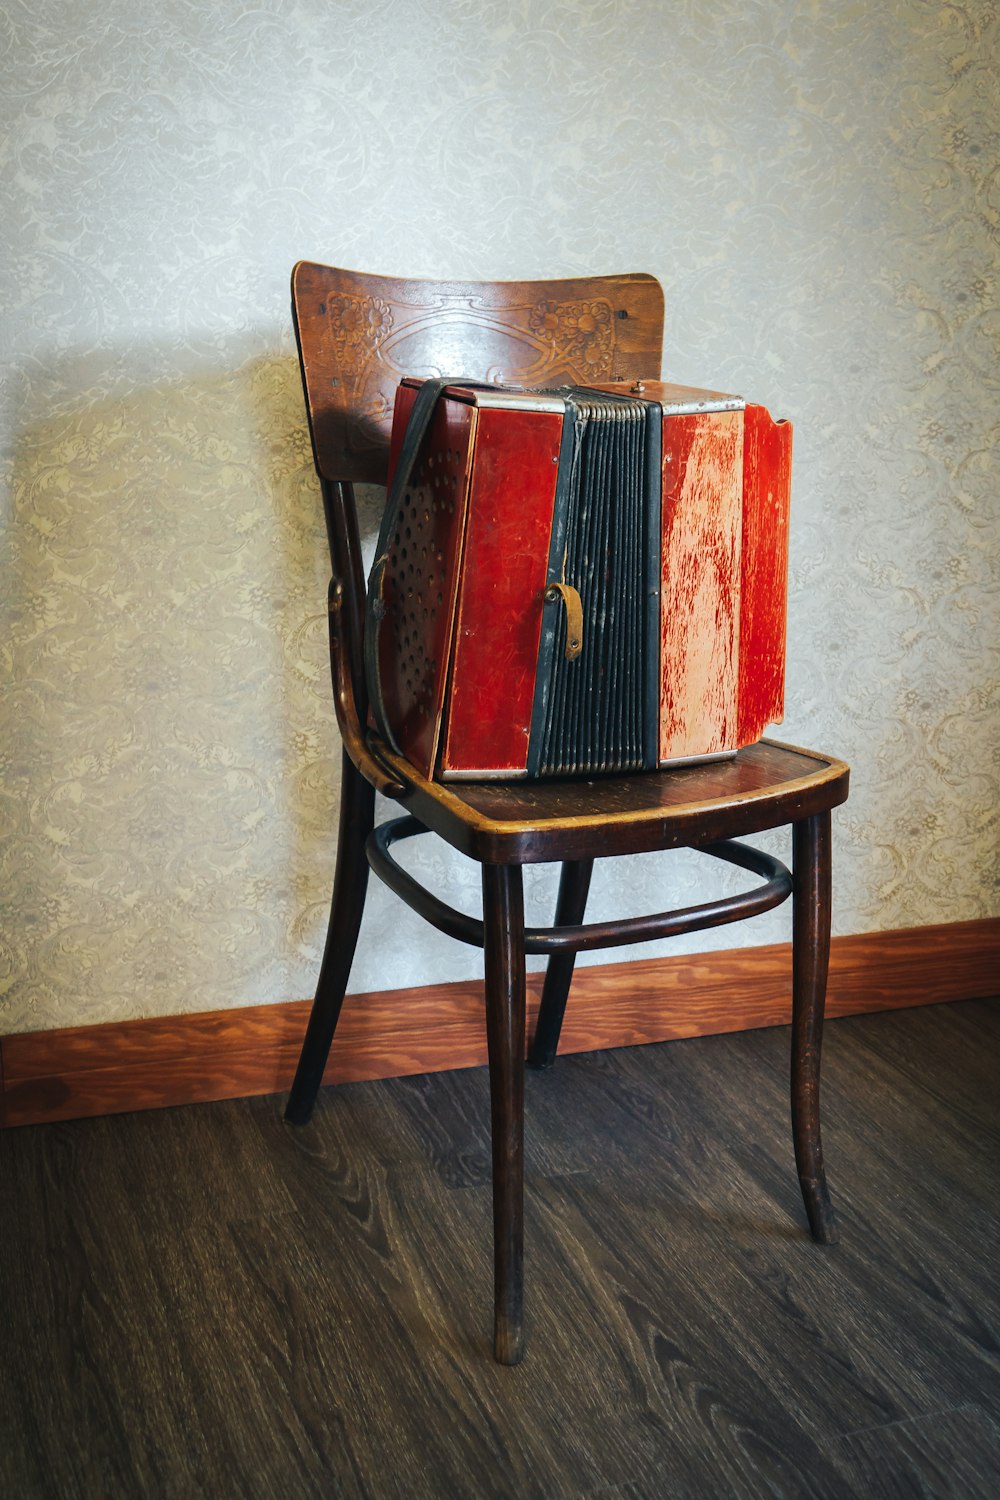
column 686, row 643
column 496, row 639
column 700, row 572
column 767, row 478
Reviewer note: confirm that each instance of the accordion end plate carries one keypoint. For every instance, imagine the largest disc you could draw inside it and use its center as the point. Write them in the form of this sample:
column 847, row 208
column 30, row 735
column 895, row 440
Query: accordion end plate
column 697, row 760
column 503, row 774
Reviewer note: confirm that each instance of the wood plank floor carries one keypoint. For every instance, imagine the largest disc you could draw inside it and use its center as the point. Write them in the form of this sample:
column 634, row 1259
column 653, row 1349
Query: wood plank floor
column 206, row 1302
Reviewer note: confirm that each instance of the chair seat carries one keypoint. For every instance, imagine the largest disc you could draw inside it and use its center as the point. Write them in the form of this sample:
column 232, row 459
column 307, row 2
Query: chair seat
column 522, row 822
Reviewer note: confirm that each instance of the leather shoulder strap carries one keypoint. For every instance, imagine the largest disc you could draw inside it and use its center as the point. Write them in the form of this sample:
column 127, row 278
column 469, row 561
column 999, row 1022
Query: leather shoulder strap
column 416, row 430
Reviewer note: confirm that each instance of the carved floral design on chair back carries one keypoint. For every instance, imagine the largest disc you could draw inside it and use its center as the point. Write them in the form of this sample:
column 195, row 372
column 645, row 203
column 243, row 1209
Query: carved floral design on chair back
column 359, row 335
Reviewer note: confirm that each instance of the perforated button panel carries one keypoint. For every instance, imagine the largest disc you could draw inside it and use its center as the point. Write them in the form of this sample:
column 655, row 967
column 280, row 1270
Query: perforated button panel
column 421, row 583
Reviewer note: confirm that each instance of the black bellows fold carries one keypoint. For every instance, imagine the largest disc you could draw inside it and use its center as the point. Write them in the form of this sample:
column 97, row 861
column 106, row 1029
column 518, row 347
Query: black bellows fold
column 599, row 712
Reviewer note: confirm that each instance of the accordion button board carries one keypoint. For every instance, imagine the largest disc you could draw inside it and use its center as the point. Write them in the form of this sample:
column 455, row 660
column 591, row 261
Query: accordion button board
column 583, row 580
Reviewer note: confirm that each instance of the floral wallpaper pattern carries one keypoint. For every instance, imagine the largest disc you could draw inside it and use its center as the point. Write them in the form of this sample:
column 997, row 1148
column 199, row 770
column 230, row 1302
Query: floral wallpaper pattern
column 818, row 188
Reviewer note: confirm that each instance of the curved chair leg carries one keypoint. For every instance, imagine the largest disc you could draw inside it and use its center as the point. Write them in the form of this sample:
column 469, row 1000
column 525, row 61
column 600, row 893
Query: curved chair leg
column 357, row 816
column 574, row 885
column 503, row 917
column 811, row 900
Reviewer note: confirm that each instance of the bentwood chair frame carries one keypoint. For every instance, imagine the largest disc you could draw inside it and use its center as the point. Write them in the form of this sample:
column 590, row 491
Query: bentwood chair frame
column 357, row 334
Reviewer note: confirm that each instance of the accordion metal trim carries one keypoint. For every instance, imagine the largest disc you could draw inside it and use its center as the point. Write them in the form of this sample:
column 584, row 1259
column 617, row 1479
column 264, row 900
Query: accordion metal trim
column 474, row 624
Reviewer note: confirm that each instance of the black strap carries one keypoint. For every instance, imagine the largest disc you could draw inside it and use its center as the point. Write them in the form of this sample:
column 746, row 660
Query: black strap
column 416, row 429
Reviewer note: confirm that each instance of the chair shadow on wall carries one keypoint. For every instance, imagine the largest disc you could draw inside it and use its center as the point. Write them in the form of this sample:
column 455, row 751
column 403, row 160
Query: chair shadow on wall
column 171, row 742
column 169, row 734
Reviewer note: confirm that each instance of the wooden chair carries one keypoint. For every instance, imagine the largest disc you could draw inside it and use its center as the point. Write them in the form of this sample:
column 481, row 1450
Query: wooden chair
column 357, row 335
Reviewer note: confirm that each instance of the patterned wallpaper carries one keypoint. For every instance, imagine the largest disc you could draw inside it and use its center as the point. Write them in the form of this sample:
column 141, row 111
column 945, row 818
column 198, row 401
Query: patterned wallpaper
column 818, row 188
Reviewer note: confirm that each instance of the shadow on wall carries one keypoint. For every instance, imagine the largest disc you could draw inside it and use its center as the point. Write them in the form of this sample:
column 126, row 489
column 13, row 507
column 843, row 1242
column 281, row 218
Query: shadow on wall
column 169, row 787
column 171, row 750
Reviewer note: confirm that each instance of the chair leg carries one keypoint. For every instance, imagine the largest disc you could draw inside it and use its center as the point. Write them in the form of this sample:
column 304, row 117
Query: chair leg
column 811, row 901
column 574, row 885
column 503, row 916
column 357, row 816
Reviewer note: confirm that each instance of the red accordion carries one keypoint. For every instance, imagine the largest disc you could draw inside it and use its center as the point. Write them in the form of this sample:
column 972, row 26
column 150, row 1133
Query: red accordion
column 582, row 580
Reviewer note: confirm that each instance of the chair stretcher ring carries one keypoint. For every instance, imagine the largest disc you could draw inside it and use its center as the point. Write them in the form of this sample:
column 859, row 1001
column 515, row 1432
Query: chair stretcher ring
column 579, row 939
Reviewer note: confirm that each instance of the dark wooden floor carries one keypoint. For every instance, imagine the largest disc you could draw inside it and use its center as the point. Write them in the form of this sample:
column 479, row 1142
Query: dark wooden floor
column 206, row 1302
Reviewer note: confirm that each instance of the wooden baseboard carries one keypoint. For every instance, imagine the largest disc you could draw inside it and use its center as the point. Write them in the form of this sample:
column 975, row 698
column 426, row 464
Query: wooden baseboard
column 147, row 1064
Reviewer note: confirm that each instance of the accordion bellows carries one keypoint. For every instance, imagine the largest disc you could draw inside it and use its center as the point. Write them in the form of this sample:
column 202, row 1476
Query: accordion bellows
column 585, row 580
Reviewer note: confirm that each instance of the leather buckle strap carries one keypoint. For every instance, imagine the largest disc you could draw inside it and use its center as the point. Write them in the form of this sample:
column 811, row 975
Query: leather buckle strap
column 416, row 430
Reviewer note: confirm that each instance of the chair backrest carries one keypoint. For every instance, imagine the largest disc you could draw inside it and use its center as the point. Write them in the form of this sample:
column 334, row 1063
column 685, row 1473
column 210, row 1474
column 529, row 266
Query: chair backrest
column 358, row 335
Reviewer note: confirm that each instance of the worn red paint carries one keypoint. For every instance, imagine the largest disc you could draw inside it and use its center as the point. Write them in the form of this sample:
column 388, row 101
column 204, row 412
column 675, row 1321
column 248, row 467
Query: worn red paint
column 767, row 471
column 702, row 463
column 501, row 600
